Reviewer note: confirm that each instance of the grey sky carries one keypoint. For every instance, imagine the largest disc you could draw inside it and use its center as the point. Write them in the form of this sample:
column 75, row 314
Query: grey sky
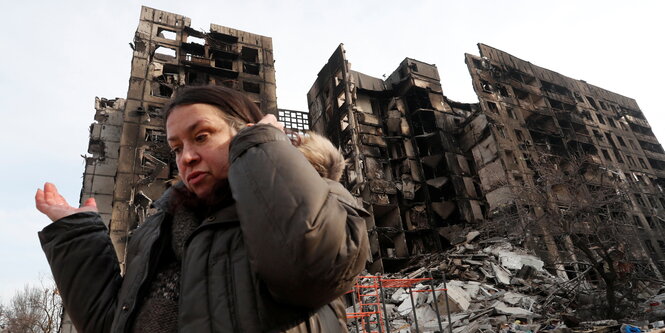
column 57, row 56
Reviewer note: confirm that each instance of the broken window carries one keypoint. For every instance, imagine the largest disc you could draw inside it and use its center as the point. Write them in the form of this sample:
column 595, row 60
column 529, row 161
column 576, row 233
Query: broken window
column 642, row 163
column 251, row 87
column 501, row 131
column 611, row 122
column 521, row 94
column 621, row 142
column 606, row 154
column 511, row 113
column 196, row 40
column 253, row 69
column 601, row 119
column 166, row 34
column 487, row 87
column 618, row 156
column 492, row 106
column 161, row 89
column 164, row 53
column 224, row 63
column 155, row 135
column 602, row 105
column 630, row 160
column 154, row 111
column 249, row 54
column 519, row 135
column 592, row 102
column 637, row 221
column 502, row 90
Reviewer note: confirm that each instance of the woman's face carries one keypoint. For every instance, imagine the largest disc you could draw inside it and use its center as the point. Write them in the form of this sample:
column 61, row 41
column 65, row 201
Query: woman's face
column 200, row 139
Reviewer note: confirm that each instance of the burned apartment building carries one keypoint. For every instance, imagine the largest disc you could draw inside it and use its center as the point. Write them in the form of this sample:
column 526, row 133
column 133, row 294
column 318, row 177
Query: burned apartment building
column 528, row 112
column 424, row 165
column 405, row 164
column 130, row 163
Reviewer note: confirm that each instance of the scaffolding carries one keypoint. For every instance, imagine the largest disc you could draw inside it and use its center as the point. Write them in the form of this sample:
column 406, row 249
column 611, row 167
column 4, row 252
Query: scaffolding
column 369, row 302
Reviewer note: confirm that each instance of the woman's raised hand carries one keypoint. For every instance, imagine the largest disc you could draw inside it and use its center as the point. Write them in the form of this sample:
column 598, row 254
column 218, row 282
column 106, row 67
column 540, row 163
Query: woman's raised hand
column 270, row 119
column 53, row 205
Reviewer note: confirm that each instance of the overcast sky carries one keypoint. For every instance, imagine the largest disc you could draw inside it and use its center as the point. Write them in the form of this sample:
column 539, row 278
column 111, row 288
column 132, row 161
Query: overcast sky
column 57, row 56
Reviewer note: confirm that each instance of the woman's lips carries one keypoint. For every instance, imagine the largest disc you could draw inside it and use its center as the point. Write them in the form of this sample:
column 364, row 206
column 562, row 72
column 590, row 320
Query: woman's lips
column 195, row 177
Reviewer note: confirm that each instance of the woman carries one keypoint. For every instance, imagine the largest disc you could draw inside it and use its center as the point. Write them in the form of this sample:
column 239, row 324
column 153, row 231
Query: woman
column 252, row 239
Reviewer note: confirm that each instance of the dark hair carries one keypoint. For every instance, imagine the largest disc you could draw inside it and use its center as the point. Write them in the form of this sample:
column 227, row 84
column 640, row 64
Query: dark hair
column 234, row 107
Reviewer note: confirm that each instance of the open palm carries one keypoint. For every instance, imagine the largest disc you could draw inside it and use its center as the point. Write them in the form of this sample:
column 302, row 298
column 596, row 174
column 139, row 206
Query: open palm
column 54, row 205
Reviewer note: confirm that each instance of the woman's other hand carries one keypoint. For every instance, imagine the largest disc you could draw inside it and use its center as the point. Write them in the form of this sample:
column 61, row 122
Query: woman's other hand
column 53, row 205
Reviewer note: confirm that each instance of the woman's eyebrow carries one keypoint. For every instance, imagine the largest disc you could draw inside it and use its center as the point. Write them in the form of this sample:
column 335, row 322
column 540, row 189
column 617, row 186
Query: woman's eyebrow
column 189, row 128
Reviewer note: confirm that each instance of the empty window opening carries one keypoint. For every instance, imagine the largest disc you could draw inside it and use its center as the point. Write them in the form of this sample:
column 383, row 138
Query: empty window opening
column 642, row 163
column 511, row 113
column 224, row 63
column 253, row 69
column 602, row 105
column 618, row 156
column 606, row 154
column 611, row 122
column 155, row 135
column 493, row 107
column 592, row 102
column 250, row 54
column 502, row 90
column 631, row 161
column 164, row 53
column 166, row 34
column 609, row 139
column 656, row 164
column 155, row 111
column 161, row 90
column 521, row 94
column 486, row 86
column 519, row 135
column 501, row 131
column 637, row 221
column 251, row 87
column 601, row 119
column 196, row 40
column 621, row 142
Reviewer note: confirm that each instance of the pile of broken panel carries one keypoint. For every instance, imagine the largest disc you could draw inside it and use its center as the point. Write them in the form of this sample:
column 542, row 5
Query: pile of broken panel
column 492, row 286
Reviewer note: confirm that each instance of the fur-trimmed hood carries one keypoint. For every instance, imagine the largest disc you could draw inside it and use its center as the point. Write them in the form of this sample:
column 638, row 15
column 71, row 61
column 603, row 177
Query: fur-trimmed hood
column 322, row 154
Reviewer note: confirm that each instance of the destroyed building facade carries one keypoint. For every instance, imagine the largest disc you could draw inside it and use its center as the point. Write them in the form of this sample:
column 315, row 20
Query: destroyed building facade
column 405, row 165
column 423, row 164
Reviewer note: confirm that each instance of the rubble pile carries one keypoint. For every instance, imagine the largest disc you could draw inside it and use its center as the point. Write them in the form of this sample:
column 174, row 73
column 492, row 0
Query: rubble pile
column 492, row 286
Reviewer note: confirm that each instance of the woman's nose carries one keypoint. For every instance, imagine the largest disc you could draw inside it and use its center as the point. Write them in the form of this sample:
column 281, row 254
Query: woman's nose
column 189, row 156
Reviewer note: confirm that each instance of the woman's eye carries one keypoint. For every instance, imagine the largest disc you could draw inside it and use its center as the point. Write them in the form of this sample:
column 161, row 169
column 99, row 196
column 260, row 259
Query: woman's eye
column 201, row 137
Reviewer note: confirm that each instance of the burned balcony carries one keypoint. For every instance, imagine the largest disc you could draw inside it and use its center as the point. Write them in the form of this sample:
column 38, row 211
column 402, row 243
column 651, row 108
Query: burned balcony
column 578, row 148
column 651, row 147
column 555, row 89
column 560, row 106
column 546, row 143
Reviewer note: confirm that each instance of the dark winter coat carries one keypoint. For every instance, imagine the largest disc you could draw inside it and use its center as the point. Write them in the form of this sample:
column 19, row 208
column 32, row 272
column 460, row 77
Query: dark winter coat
column 276, row 260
